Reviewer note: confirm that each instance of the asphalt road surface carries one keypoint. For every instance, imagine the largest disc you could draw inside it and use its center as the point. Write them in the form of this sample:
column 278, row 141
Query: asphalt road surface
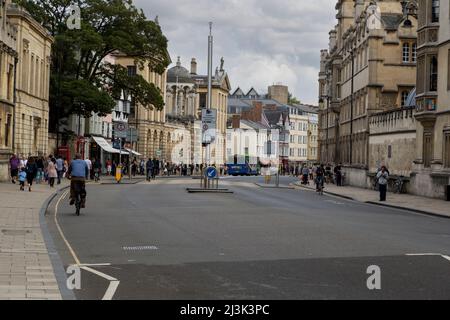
column 161, row 242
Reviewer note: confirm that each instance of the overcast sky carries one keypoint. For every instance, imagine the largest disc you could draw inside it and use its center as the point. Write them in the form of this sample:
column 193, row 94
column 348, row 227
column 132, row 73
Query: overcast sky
column 262, row 41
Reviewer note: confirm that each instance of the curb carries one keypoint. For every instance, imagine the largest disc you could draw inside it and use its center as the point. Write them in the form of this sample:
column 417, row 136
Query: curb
column 428, row 213
column 274, row 187
column 327, row 192
column 197, row 190
column 55, row 259
column 122, row 183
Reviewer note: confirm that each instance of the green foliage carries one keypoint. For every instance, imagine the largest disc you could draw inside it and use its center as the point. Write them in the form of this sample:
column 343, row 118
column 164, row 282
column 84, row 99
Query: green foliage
column 292, row 99
column 81, row 78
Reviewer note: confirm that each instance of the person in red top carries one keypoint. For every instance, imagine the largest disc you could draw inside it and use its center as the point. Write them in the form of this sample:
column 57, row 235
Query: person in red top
column 108, row 167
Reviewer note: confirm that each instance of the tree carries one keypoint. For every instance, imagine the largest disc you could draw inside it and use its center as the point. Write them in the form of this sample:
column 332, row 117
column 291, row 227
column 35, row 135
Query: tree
column 82, row 82
column 292, row 99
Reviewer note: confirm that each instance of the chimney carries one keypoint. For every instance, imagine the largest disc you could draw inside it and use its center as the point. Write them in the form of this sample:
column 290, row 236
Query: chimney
column 236, row 121
column 193, row 66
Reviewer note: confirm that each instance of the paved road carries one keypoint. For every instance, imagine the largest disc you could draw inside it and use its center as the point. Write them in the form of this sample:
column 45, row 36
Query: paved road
column 258, row 243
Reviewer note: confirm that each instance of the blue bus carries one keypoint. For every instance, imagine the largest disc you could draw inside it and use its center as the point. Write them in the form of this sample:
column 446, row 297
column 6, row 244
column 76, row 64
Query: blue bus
column 241, row 170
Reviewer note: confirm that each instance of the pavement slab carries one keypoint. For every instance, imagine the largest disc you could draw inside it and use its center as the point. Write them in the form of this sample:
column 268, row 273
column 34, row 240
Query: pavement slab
column 22, row 245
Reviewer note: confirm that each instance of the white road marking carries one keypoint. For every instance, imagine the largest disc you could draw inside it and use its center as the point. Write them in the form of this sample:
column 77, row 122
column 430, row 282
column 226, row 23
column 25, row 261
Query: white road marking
column 113, row 282
column 95, row 265
column 424, row 254
column 430, row 254
column 72, row 252
column 100, row 274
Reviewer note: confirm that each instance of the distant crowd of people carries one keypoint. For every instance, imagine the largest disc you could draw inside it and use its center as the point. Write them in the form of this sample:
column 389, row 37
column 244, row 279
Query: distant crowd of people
column 27, row 171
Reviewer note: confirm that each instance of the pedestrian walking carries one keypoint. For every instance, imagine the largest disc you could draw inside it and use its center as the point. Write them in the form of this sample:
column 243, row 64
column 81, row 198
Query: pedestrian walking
column 52, row 173
column 149, row 167
column 14, row 164
column 40, row 170
column 97, row 168
column 305, row 175
column 382, row 179
column 31, row 170
column 89, row 165
column 338, row 175
column 108, row 167
column 22, row 178
column 59, row 168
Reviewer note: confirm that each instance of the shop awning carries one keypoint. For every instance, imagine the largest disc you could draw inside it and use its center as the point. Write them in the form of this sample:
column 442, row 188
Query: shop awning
column 133, row 152
column 105, row 145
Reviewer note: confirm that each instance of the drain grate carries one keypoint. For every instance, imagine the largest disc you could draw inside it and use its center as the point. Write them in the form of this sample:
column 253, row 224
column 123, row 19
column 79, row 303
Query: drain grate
column 10, row 232
column 140, row 248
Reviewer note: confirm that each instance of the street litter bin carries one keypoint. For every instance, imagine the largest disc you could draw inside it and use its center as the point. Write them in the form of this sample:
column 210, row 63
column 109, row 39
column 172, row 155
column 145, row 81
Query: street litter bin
column 448, row 192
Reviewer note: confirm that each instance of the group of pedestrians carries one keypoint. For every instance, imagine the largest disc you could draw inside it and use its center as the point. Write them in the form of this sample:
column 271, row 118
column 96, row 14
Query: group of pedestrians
column 31, row 170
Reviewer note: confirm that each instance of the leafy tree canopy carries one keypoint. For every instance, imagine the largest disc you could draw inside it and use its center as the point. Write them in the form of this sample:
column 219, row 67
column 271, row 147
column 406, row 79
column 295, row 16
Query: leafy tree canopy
column 292, row 99
column 87, row 82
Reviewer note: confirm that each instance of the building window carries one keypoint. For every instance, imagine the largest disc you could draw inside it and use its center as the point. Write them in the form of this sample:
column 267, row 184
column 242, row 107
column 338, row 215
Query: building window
column 132, row 71
column 434, row 10
column 427, row 148
column 406, row 53
column 447, row 149
column 448, row 71
column 414, row 53
column 405, row 95
column 7, row 129
column 433, row 73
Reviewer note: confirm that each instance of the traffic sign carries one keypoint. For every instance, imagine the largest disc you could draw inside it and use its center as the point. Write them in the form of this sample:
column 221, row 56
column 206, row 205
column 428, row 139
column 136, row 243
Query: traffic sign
column 120, row 130
column 211, row 173
column 209, row 125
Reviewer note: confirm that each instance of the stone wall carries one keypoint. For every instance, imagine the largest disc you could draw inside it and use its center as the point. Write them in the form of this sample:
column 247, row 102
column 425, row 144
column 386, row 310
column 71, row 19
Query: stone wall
column 392, row 141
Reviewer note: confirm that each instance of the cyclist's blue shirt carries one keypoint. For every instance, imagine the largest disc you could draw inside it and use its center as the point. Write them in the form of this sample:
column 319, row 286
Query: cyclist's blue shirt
column 79, row 169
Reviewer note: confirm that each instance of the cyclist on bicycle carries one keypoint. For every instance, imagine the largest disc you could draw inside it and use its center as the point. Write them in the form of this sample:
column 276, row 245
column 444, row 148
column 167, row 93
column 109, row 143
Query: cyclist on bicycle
column 320, row 177
column 78, row 173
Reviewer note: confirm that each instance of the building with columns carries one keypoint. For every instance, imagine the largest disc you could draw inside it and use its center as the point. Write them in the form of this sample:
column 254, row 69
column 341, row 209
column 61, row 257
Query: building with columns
column 182, row 95
column 369, row 67
column 221, row 88
column 183, row 114
column 154, row 138
column 432, row 159
column 8, row 63
column 32, row 83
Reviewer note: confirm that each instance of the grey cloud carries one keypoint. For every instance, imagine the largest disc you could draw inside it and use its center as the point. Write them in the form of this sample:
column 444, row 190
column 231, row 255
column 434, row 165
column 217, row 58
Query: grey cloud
column 262, row 41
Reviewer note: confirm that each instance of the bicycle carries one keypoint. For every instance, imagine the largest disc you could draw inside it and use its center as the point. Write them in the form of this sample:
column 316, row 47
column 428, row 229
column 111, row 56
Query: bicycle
column 96, row 176
column 398, row 185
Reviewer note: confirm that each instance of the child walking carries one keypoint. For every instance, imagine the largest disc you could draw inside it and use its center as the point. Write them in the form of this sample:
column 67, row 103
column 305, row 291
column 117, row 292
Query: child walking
column 22, row 178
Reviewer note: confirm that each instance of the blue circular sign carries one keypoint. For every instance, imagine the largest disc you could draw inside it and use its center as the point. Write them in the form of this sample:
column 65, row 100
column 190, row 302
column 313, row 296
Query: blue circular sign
column 211, row 172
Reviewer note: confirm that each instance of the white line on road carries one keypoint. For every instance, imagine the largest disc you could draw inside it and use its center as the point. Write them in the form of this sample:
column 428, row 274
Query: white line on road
column 430, row 254
column 113, row 282
column 72, row 252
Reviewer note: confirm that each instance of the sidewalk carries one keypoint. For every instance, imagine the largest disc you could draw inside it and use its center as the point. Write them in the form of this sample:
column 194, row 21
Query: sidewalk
column 400, row 201
column 26, row 271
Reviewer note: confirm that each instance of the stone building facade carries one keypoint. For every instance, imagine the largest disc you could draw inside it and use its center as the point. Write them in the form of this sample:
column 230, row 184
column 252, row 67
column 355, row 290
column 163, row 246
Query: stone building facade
column 149, row 122
column 32, row 84
column 182, row 95
column 8, row 63
column 183, row 115
column 370, row 67
column 221, row 88
column 432, row 159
